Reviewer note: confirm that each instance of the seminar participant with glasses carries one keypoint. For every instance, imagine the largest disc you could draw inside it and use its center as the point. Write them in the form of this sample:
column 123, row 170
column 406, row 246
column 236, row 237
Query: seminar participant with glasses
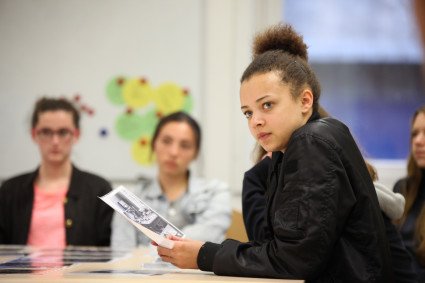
column 57, row 204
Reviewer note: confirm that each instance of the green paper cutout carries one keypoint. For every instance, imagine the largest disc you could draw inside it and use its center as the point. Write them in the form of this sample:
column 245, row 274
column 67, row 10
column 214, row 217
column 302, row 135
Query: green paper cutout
column 129, row 126
column 138, row 94
column 114, row 90
column 188, row 104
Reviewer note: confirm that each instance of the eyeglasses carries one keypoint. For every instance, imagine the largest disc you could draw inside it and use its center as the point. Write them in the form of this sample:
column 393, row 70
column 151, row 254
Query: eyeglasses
column 47, row 134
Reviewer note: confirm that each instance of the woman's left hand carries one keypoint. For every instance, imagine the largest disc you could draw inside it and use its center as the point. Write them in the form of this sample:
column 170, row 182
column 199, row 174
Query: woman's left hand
column 184, row 253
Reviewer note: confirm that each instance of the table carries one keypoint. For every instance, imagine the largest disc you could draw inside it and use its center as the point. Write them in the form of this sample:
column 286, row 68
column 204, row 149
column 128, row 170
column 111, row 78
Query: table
column 93, row 264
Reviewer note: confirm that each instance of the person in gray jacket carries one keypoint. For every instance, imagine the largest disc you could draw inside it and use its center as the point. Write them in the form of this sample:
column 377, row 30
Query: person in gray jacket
column 200, row 208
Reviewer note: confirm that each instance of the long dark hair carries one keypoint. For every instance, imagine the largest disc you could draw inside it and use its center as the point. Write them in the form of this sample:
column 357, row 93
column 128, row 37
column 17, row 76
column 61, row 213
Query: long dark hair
column 410, row 191
column 282, row 50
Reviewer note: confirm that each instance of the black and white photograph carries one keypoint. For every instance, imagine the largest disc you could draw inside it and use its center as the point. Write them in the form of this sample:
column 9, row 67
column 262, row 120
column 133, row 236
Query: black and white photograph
column 138, row 212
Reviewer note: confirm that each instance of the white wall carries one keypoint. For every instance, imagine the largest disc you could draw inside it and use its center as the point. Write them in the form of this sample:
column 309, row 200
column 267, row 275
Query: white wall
column 58, row 47
column 230, row 26
column 389, row 171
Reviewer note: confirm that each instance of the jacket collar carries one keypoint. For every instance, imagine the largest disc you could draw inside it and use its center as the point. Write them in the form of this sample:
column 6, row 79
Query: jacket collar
column 29, row 182
column 76, row 183
column 154, row 188
column 277, row 156
column 314, row 116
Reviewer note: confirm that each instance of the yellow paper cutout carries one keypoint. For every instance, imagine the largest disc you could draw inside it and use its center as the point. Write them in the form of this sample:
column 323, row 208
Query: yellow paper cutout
column 137, row 93
column 169, row 97
column 141, row 151
column 144, row 107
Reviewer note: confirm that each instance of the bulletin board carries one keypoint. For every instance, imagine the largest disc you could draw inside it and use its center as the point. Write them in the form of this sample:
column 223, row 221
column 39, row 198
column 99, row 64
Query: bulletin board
column 123, row 63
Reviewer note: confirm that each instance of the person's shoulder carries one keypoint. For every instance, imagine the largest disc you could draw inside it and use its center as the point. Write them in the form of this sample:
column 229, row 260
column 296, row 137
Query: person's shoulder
column 17, row 186
column 261, row 167
column 147, row 185
column 330, row 131
column 327, row 130
column 17, row 179
column 147, row 181
column 324, row 126
column 89, row 175
column 198, row 184
column 400, row 184
column 90, row 178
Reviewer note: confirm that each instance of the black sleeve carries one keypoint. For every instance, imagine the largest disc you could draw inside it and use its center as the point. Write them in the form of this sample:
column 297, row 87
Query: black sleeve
column 254, row 201
column 16, row 202
column 401, row 259
column 206, row 256
column 2, row 216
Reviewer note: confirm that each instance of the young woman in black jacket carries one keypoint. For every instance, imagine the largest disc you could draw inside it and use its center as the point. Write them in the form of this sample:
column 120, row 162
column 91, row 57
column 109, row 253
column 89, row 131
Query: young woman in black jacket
column 392, row 207
column 322, row 207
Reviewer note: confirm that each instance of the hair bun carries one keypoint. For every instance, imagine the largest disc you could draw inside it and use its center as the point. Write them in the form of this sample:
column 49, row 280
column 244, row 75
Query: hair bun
column 280, row 37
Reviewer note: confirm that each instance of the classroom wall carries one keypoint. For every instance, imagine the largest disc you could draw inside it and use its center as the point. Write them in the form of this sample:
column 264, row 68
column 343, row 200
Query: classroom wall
column 70, row 48
column 58, row 47
column 74, row 48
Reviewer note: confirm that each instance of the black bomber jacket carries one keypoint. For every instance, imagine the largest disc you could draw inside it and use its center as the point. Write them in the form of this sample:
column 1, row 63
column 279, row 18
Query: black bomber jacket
column 323, row 214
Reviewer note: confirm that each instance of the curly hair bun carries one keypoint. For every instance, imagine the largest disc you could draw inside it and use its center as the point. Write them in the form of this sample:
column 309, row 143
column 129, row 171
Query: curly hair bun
column 280, row 37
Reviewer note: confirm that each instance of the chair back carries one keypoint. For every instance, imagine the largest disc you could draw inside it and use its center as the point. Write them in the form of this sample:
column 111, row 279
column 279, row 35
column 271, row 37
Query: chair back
column 237, row 227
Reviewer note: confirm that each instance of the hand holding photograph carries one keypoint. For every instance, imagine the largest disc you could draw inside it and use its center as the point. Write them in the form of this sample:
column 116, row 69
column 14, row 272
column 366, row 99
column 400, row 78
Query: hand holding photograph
column 142, row 216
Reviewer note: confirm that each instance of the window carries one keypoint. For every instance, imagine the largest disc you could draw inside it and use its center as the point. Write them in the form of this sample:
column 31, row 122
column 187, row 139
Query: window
column 368, row 57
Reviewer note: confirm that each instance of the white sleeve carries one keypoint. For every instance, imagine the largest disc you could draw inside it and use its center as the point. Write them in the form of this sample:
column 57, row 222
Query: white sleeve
column 391, row 203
